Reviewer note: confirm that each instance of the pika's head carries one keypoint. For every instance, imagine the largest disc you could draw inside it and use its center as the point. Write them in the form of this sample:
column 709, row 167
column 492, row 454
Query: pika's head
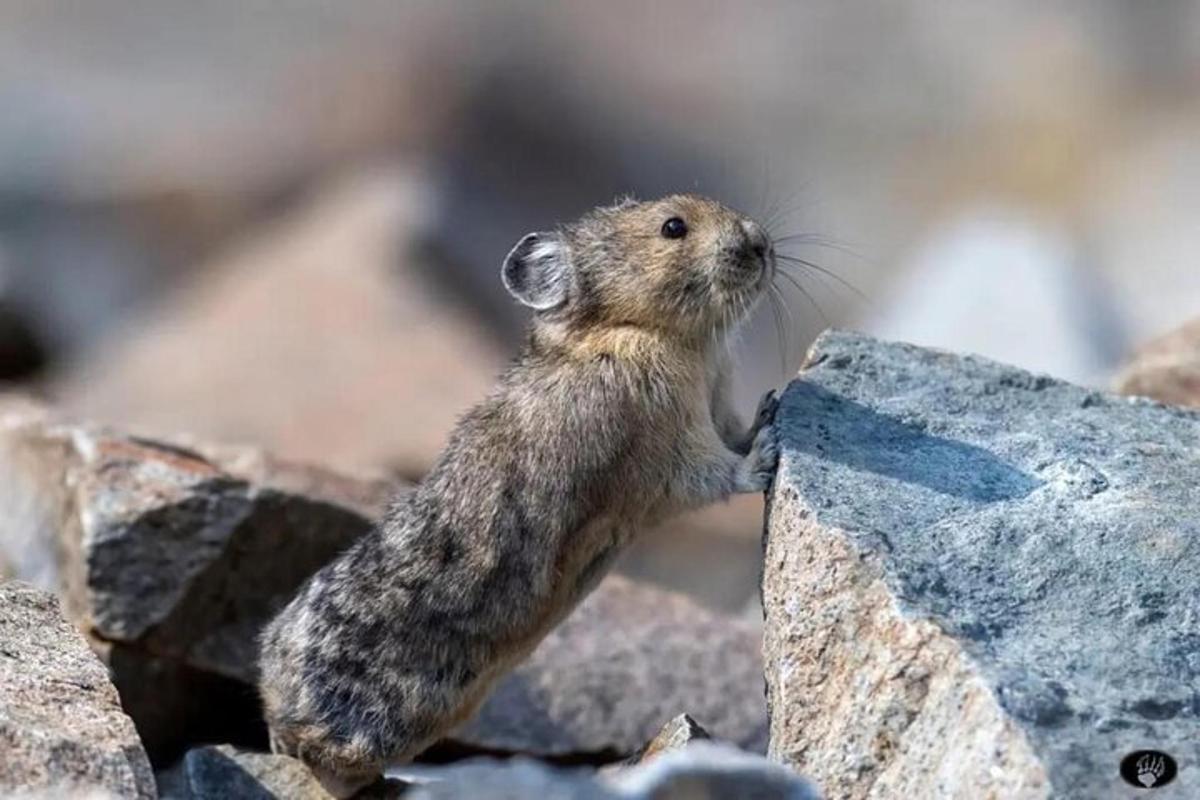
column 684, row 264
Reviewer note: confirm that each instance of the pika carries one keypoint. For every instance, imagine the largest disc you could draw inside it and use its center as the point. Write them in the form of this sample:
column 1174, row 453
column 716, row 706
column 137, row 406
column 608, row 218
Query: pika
column 615, row 415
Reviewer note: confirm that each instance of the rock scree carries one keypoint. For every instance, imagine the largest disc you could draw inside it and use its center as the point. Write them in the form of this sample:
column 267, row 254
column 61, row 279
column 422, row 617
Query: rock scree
column 978, row 582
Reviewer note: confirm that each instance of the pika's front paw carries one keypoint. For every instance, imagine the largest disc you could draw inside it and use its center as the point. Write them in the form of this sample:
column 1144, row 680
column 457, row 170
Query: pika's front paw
column 758, row 466
column 765, row 414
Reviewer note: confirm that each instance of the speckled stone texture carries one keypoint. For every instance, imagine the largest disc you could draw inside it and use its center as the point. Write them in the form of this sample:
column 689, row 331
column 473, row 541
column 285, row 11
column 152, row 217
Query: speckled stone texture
column 979, row 582
column 62, row 730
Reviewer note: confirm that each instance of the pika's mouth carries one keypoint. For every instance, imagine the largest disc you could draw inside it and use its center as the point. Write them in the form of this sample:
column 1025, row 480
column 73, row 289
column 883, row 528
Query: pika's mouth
column 743, row 278
column 767, row 272
column 754, row 269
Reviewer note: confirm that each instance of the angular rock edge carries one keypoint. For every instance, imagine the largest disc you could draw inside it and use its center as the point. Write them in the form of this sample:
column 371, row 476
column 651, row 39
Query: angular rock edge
column 62, row 730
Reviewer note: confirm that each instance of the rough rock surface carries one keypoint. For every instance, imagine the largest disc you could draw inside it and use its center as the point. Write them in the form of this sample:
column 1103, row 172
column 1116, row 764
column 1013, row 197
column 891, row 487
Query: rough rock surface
column 703, row 771
column 1167, row 368
column 173, row 557
column 978, row 582
column 62, row 730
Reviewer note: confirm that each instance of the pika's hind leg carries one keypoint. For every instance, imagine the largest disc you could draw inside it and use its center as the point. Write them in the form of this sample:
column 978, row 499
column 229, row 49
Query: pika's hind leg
column 341, row 769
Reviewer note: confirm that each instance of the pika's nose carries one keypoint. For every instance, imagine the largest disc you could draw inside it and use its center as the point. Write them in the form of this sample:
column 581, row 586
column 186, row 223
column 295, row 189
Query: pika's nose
column 757, row 241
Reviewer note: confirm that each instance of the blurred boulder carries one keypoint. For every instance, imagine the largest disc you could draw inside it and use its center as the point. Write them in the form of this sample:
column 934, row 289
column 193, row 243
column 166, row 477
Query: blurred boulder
column 218, row 97
column 62, row 730
column 713, row 555
column 1166, row 369
column 629, row 657
column 317, row 338
column 1140, row 214
column 72, row 268
column 978, row 581
column 704, row 771
column 173, row 555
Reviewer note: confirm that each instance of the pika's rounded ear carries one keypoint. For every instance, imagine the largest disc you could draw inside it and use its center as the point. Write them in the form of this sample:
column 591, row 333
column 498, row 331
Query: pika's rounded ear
column 537, row 271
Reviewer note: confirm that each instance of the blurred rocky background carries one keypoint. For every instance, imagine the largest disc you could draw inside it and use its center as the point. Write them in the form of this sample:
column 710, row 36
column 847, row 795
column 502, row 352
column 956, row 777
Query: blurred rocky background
column 281, row 226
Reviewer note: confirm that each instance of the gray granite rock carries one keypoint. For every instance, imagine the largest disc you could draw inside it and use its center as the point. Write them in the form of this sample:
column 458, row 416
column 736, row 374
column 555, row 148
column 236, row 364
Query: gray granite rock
column 702, row 771
column 62, row 730
column 978, row 581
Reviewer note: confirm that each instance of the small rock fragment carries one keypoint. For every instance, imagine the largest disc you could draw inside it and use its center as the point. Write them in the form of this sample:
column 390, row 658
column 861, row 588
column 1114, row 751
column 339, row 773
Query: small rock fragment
column 675, row 735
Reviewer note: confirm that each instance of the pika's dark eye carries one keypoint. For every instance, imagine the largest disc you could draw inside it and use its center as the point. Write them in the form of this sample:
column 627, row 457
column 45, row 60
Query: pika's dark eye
column 674, row 228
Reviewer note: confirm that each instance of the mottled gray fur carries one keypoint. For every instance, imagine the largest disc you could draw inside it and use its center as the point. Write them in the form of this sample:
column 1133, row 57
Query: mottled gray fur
column 614, row 416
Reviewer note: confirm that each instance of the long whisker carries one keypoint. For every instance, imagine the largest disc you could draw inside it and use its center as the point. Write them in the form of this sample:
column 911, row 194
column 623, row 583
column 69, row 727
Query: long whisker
column 787, row 310
column 828, row 273
column 817, row 240
column 796, row 283
column 788, row 206
column 776, row 314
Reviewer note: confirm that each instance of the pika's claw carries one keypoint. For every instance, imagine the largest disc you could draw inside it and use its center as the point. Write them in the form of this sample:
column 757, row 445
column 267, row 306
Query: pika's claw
column 758, row 467
column 765, row 414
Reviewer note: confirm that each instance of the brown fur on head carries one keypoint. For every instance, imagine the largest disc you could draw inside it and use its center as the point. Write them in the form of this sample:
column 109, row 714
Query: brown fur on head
column 684, row 266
